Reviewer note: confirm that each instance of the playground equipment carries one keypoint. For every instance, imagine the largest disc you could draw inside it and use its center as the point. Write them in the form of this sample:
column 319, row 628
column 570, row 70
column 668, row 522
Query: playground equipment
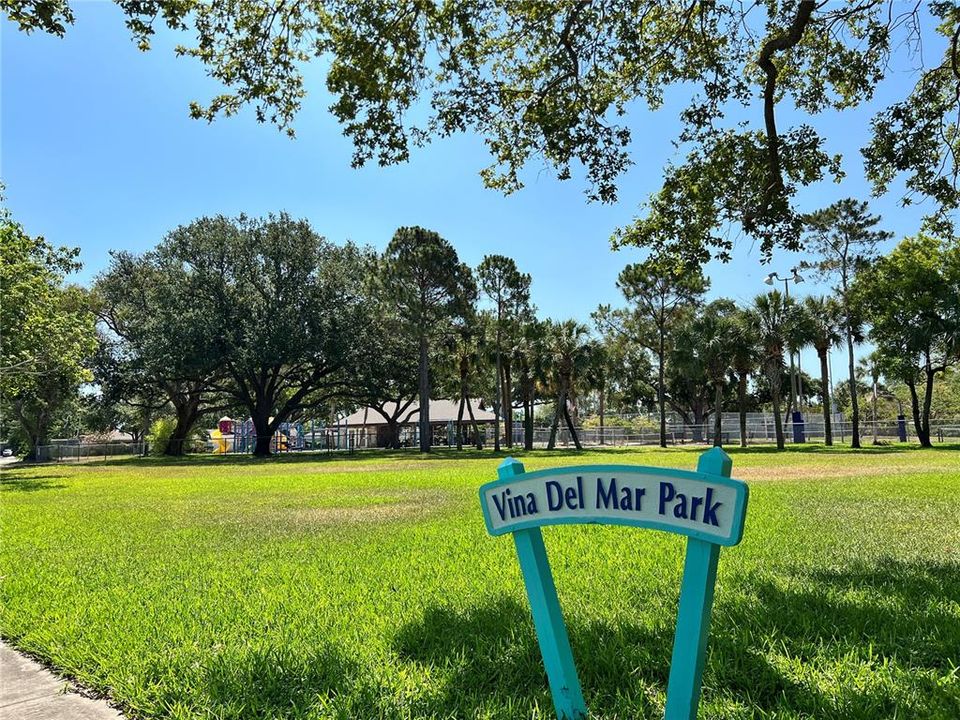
column 239, row 436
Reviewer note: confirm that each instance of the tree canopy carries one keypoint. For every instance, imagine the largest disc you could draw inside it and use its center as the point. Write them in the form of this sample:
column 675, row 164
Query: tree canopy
column 46, row 330
column 559, row 82
column 423, row 277
column 912, row 297
column 285, row 312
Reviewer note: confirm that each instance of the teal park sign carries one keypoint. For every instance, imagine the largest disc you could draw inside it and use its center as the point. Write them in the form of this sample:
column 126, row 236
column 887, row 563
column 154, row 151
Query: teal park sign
column 708, row 506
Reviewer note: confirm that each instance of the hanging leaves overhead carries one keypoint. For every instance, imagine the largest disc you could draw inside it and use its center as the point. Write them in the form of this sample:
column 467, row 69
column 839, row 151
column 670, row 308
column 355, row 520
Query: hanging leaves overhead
column 562, row 82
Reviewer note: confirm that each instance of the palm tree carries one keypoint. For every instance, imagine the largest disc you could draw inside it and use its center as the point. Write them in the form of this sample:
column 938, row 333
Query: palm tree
column 531, row 362
column 597, row 378
column 568, row 349
column 717, row 347
column 823, row 324
column 772, row 315
column 746, row 360
column 466, row 356
column 869, row 366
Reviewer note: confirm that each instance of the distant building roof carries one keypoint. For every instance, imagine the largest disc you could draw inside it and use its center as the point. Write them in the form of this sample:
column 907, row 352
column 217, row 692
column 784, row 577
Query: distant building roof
column 440, row 411
column 105, row 437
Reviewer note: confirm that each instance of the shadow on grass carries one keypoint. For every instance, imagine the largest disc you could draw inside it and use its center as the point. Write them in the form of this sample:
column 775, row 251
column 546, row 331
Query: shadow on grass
column 17, row 481
column 490, row 645
column 802, row 646
column 275, row 682
column 890, row 621
column 492, row 649
column 900, row 609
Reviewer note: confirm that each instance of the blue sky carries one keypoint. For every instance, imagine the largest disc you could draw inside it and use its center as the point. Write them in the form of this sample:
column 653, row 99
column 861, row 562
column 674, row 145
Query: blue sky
column 97, row 151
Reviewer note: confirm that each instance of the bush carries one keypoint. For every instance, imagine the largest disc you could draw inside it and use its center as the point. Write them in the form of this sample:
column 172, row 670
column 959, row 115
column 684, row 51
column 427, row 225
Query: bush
column 631, row 425
column 159, row 435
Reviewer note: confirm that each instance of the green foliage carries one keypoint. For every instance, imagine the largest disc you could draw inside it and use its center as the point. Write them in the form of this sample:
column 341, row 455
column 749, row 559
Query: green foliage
column 635, row 425
column 509, row 291
column 920, row 135
column 46, row 330
column 159, row 436
column 313, row 588
column 422, row 274
column 628, row 373
column 51, row 16
column 422, row 277
column 659, row 292
column 774, row 317
column 283, row 312
column 845, row 238
column 820, row 323
column 945, row 404
column 569, row 353
column 700, row 360
column 912, row 297
column 559, row 82
column 159, row 345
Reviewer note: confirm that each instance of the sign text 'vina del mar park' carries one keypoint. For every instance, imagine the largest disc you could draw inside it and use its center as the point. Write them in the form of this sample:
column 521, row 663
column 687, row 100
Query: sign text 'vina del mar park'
column 708, row 506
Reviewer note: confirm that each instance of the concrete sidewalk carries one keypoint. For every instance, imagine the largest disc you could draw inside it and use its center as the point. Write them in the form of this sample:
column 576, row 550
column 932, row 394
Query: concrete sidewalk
column 28, row 691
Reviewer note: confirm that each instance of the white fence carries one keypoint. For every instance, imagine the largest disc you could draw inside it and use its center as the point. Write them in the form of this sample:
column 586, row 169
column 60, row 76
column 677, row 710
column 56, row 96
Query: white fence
column 757, row 432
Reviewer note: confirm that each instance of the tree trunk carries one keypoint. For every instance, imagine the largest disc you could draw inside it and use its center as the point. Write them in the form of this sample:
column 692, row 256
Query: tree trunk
column 261, row 426
column 476, row 428
column 927, row 401
column 528, row 408
column 460, row 419
column 187, row 411
column 498, row 402
column 35, row 429
column 775, row 396
column 573, row 430
column 854, row 401
column 36, row 436
column 393, row 434
column 36, row 441
column 923, row 434
column 601, row 414
column 825, row 397
column 528, row 423
column 698, row 421
column 561, row 404
column 742, row 406
column 660, row 393
column 718, row 416
column 424, row 422
column 507, row 404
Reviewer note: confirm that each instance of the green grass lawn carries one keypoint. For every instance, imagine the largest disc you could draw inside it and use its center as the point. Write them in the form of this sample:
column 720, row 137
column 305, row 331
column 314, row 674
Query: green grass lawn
column 367, row 587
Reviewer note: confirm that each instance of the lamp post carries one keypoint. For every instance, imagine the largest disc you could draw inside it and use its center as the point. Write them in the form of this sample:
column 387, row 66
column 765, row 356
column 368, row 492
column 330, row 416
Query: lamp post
column 797, row 418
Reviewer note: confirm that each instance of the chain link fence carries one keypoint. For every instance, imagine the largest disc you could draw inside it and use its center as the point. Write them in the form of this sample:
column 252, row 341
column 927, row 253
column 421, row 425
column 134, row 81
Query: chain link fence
column 760, row 430
column 80, row 452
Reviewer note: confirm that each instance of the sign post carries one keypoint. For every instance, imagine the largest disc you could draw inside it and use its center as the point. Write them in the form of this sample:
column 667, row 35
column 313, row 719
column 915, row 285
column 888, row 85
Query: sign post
column 708, row 506
column 547, row 618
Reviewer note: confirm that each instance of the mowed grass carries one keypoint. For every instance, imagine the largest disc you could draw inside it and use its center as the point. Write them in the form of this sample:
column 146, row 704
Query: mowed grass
column 367, row 587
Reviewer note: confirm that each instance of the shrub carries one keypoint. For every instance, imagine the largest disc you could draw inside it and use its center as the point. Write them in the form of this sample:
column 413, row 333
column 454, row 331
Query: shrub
column 159, row 435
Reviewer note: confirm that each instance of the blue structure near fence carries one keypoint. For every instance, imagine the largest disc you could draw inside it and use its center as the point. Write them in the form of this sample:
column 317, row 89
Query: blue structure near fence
column 240, row 436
